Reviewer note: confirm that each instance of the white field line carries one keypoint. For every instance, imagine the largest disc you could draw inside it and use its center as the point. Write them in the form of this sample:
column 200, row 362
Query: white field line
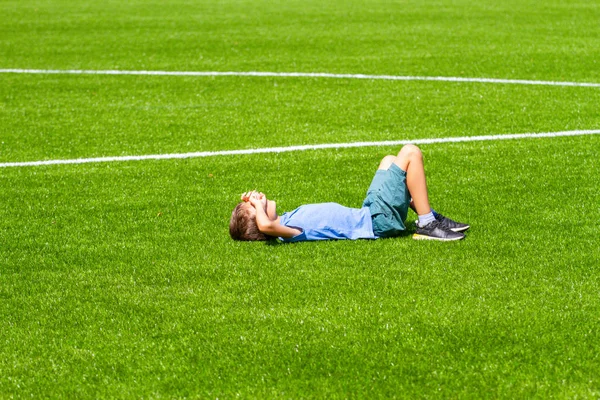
column 301, row 148
column 298, row 74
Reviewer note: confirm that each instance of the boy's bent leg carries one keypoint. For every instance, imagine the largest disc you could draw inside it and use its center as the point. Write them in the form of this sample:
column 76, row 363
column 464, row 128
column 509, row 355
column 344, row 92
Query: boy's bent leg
column 390, row 193
column 410, row 159
column 441, row 228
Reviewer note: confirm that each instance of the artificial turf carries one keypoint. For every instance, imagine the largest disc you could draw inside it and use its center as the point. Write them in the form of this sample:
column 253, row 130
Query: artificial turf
column 120, row 280
column 50, row 117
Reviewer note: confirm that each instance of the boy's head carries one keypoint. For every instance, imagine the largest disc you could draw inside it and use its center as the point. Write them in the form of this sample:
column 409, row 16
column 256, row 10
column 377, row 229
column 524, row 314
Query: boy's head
column 242, row 225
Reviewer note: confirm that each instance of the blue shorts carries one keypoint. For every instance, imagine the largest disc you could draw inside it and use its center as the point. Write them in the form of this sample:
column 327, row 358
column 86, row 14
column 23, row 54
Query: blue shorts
column 388, row 200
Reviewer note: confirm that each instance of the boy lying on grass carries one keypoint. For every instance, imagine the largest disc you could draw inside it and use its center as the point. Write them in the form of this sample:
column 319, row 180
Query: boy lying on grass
column 399, row 183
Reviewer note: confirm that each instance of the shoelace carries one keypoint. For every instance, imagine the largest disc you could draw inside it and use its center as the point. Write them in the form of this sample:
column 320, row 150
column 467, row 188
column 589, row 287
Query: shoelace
column 433, row 224
column 446, row 222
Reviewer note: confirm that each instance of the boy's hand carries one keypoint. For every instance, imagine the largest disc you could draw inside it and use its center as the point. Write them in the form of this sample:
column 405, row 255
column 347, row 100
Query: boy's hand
column 246, row 196
column 258, row 200
column 255, row 198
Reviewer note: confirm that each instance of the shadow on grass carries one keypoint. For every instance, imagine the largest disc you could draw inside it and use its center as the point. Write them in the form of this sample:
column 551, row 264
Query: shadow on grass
column 408, row 232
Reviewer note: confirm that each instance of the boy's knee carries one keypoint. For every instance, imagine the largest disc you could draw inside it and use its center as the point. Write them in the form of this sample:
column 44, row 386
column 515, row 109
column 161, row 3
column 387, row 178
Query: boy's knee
column 386, row 162
column 410, row 151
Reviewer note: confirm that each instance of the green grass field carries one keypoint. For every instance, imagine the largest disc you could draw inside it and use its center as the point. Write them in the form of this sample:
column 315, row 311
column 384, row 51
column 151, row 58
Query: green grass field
column 119, row 280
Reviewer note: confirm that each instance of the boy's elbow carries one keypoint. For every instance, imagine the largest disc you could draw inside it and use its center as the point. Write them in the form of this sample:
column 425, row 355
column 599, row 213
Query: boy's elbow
column 270, row 228
column 264, row 226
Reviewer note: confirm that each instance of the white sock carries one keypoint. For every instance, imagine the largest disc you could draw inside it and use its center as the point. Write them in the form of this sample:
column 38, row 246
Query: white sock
column 426, row 218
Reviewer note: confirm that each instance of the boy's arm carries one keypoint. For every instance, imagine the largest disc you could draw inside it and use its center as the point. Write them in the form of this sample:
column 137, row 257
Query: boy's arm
column 265, row 224
column 273, row 228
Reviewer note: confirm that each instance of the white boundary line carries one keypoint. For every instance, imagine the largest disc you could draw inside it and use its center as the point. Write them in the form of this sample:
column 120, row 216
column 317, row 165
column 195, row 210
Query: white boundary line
column 301, row 148
column 298, row 74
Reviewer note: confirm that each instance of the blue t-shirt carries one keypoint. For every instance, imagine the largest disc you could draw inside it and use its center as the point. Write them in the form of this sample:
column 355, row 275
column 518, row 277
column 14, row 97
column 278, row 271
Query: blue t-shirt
column 329, row 221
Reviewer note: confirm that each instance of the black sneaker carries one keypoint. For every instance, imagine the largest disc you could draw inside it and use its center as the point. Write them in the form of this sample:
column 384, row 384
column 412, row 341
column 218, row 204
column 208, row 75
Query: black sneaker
column 435, row 230
column 452, row 225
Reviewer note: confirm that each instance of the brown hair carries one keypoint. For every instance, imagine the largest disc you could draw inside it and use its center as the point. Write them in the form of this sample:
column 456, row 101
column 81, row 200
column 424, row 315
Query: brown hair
column 242, row 225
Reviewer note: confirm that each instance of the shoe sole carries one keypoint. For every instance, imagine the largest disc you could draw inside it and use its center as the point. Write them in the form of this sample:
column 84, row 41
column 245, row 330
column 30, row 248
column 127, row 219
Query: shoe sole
column 416, row 236
column 460, row 229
